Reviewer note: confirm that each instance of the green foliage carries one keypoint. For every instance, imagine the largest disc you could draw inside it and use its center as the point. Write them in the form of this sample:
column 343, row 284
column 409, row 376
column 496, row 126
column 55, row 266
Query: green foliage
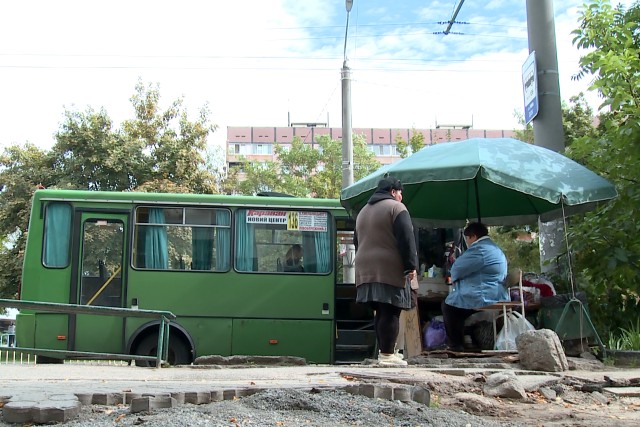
column 526, row 133
column 303, row 170
column 157, row 150
column 626, row 338
column 520, row 245
column 605, row 243
column 415, row 144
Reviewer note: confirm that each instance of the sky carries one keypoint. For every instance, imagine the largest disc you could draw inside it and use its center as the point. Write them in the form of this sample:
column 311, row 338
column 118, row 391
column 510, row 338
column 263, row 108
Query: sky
column 271, row 62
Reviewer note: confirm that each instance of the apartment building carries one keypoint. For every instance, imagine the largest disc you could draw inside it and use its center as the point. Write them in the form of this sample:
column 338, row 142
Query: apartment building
column 257, row 143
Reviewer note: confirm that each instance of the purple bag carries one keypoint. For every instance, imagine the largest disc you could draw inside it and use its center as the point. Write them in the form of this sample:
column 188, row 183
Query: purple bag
column 435, row 335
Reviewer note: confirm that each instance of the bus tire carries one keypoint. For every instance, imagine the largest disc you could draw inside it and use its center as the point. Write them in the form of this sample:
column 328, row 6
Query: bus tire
column 179, row 352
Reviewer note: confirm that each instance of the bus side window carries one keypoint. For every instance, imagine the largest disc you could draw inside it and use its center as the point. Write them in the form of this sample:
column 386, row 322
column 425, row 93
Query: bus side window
column 57, row 235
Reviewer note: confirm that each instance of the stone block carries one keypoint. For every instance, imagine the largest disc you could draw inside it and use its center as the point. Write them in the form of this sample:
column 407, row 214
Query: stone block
column 229, row 394
column 403, row 394
column 197, row 397
column 367, row 390
column 107, row 399
column 421, row 394
column 352, row 388
column 148, row 403
column 85, row 398
column 178, row 396
column 59, row 411
column 129, row 396
column 217, row 395
column 18, row 411
column 383, row 392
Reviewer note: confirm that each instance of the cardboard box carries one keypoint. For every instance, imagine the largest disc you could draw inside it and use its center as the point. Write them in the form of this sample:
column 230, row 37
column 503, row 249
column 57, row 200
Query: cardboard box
column 433, row 287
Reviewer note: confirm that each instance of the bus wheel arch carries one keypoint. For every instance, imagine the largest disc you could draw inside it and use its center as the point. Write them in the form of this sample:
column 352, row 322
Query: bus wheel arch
column 144, row 341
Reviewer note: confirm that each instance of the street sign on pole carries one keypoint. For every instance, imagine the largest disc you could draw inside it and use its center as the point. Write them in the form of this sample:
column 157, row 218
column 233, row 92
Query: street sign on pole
column 530, row 87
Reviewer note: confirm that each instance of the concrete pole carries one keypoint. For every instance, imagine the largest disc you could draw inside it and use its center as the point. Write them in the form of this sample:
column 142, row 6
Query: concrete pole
column 347, row 142
column 547, row 125
column 348, row 265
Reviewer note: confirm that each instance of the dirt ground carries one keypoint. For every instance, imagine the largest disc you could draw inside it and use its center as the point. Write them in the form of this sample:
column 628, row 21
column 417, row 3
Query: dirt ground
column 570, row 407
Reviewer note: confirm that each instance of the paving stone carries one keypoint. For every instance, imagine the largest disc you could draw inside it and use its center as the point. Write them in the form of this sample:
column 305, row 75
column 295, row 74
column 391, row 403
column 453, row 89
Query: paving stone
column 352, row 389
column 59, row 411
column 19, row 411
column 421, row 394
column 244, row 392
column 107, row 399
column 624, row 391
column 367, row 390
column 129, row 396
column 197, row 397
column 85, row 398
column 229, row 394
column 178, row 396
column 402, row 394
column 63, row 396
column 148, row 403
column 383, row 392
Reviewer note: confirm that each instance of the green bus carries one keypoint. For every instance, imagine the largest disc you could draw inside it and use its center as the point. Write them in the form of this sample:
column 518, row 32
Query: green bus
column 218, row 262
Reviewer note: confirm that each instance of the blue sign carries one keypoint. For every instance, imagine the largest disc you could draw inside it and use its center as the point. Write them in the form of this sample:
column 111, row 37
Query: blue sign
column 530, row 88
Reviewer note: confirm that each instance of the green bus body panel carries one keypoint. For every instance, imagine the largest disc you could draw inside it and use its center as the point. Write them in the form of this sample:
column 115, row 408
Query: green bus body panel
column 223, row 313
column 211, row 336
column 232, row 294
column 48, row 327
column 302, row 338
column 25, row 334
column 101, row 334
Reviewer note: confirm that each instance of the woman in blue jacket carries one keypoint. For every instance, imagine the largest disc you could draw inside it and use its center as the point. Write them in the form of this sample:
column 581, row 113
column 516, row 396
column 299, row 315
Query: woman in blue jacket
column 478, row 277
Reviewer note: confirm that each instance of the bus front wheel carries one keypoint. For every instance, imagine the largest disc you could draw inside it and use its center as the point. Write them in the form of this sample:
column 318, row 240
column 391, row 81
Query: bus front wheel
column 179, row 352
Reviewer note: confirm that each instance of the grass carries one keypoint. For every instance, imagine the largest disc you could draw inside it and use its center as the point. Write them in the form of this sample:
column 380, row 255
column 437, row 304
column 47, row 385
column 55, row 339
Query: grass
column 626, row 339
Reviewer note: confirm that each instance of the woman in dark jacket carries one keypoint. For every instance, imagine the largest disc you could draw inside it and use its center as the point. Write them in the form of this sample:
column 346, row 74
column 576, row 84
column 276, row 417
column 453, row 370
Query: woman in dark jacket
column 385, row 259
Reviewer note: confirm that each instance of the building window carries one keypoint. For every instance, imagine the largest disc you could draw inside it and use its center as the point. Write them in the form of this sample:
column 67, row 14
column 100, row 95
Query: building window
column 262, row 149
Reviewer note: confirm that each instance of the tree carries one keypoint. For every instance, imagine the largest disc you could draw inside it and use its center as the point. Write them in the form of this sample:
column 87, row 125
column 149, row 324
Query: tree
column 415, row 143
column 606, row 243
column 302, row 170
column 22, row 170
column 157, row 150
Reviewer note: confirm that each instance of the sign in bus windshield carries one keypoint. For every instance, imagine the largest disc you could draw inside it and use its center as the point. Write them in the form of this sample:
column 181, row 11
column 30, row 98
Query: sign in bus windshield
column 295, row 220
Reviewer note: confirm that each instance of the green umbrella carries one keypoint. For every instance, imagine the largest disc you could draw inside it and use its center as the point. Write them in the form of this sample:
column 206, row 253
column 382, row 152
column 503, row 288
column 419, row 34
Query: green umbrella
column 499, row 181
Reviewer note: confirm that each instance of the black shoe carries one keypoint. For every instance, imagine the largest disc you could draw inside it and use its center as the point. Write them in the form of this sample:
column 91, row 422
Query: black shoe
column 455, row 348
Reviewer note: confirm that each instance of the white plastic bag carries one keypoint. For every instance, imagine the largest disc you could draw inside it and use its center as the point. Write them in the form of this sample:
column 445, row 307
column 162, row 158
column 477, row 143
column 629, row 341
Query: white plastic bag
column 514, row 324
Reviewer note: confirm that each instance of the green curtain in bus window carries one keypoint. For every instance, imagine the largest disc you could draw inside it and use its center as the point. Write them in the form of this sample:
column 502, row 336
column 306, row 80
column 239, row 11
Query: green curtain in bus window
column 223, row 240
column 323, row 252
column 156, row 254
column 57, row 235
column 244, row 242
column 202, row 247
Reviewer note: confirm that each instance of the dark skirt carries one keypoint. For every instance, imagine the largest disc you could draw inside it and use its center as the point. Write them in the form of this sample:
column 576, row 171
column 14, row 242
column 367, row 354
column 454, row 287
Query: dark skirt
column 381, row 292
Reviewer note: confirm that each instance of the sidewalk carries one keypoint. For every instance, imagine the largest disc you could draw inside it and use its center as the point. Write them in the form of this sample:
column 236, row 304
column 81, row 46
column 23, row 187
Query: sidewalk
column 63, row 388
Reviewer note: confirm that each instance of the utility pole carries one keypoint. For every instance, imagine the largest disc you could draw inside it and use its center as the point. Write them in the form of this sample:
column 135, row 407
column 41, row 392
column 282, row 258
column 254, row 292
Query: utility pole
column 347, row 142
column 348, row 265
column 547, row 125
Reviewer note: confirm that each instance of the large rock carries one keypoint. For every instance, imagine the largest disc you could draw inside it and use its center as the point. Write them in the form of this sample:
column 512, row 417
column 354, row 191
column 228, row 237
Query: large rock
column 541, row 350
column 504, row 384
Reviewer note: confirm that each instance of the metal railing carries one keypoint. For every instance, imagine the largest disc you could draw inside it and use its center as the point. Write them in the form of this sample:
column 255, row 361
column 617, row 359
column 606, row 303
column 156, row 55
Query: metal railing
column 163, row 331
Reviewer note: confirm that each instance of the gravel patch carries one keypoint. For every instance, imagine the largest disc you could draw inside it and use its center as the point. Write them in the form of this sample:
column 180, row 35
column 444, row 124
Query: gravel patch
column 285, row 407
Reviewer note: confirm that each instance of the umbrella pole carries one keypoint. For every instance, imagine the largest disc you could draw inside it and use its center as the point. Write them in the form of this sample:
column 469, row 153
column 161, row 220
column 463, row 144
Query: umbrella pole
column 475, row 184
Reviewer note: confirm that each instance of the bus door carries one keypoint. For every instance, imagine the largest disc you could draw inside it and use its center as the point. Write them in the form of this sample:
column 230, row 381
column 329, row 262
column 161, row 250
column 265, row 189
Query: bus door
column 100, row 258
